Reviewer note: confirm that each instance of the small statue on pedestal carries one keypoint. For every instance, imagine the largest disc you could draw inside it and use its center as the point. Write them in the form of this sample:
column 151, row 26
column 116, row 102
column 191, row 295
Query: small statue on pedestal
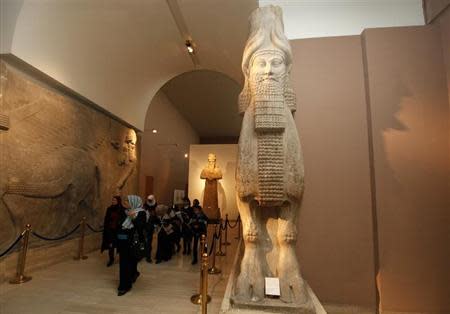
column 211, row 173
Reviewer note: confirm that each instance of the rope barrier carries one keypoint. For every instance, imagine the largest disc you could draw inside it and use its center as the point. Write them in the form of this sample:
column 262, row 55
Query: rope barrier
column 220, row 252
column 215, row 236
column 213, row 270
column 20, row 271
column 199, row 297
column 57, row 238
column 12, row 245
column 235, row 224
column 92, row 229
column 226, row 223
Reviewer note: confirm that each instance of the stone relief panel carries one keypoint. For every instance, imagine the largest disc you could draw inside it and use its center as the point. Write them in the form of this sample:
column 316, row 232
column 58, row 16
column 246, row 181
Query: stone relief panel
column 60, row 160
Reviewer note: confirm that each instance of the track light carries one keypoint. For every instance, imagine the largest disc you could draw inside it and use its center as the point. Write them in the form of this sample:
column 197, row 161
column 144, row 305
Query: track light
column 189, row 47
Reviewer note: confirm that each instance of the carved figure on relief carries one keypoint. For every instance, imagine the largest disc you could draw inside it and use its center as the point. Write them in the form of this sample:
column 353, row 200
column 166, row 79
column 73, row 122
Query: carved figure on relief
column 270, row 173
column 58, row 164
column 127, row 160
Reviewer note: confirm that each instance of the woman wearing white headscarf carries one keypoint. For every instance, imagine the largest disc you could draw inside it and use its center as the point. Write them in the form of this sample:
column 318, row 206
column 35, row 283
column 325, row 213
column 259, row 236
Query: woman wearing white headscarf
column 132, row 222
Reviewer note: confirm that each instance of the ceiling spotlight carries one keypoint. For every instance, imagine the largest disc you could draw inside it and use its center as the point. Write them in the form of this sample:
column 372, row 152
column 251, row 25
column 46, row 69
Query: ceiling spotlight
column 154, row 131
column 189, row 47
column 186, row 155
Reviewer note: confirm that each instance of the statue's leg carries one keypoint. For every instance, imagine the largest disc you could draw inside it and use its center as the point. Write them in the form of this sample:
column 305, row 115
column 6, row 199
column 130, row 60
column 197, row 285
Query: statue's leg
column 291, row 283
column 250, row 282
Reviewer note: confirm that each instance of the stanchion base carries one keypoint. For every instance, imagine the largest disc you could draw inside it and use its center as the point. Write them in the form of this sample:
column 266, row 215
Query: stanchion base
column 226, row 243
column 19, row 280
column 214, row 271
column 77, row 258
column 220, row 253
column 197, row 299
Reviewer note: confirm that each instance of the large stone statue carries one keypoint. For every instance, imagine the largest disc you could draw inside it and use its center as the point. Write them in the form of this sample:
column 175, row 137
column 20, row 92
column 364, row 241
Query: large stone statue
column 269, row 174
column 211, row 173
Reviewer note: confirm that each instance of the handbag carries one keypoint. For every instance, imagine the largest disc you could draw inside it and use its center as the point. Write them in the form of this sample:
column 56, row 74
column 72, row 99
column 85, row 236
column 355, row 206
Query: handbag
column 137, row 246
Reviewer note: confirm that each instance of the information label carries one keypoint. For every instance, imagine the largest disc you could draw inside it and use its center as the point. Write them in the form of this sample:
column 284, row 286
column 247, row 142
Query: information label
column 272, row 286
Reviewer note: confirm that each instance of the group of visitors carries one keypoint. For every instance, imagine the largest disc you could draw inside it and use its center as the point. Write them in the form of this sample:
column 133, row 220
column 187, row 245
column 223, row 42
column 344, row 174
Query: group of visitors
column 130, row 226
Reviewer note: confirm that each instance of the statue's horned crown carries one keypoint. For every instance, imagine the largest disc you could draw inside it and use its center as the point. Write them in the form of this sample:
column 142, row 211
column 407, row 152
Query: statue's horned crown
column 266, row 34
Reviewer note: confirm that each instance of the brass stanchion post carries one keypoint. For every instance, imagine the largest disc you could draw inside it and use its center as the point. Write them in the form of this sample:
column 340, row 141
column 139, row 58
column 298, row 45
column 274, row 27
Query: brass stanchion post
column 226, row 231
column 81, row 242
column 20, row 276
column 214, row 270
column 220, row 252
column 239, row 228
column 197, row 298
column 205, row 283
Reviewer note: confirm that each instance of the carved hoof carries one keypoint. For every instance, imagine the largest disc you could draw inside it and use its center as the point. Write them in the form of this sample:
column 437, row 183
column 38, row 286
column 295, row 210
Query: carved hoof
column 293, row 290
column 249, row 292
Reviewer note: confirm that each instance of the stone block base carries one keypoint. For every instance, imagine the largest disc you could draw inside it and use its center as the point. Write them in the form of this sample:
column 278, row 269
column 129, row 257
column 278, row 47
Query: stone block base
column 272, row 305
column 269, row 305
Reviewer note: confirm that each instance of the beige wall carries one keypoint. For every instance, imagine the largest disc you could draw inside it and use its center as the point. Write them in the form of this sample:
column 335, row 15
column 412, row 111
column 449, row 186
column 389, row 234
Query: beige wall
column 410, row 126
column 163, row 153
column 385, row 91
column 336, row 245
column 433, row 8
column 444, row 24
column 226, row 161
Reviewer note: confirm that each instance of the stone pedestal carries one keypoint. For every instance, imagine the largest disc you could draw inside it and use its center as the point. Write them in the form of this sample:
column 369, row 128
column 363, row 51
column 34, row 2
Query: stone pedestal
column 269, row 305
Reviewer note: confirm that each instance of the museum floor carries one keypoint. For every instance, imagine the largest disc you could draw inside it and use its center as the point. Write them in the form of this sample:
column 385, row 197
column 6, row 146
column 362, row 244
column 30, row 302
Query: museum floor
column 89, row 287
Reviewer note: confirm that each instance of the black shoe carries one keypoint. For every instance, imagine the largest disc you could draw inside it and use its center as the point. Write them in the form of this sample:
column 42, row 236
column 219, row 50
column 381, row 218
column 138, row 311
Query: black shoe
column 110, row 263
column 149, row 260
column 122, row 292
column 136, row 277
column 194, row 262
column 158, row 261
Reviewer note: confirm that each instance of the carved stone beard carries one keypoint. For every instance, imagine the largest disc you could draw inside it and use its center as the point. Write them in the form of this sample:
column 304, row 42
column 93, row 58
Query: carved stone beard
column 270, row 123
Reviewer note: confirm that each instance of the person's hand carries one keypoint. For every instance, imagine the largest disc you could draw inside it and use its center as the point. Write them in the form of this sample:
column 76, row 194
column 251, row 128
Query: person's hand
column 131, row 213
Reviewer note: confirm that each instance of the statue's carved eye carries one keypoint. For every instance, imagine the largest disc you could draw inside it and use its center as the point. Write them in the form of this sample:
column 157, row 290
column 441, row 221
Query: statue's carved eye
column 261, row 63
column 277, row 62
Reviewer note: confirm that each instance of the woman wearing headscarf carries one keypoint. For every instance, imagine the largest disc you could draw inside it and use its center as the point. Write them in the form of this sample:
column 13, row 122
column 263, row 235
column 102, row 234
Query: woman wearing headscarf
column 152, row 222
column 110, row 228
column 132, row 222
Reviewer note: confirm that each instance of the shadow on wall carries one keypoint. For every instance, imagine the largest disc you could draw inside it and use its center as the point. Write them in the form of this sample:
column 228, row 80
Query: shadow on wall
column 410, row 191
column 379, row 132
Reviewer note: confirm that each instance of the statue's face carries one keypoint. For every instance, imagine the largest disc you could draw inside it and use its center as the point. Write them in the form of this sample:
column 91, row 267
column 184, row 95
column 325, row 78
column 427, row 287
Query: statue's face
column 268, row 66
column 130, row 145
column 212, row 159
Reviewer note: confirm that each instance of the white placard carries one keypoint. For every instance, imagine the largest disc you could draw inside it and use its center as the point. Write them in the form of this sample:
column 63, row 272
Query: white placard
column 178, row 196
column 272, row 286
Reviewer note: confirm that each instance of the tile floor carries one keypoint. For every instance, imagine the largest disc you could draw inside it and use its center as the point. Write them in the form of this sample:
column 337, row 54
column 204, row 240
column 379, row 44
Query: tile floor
column 89, row 287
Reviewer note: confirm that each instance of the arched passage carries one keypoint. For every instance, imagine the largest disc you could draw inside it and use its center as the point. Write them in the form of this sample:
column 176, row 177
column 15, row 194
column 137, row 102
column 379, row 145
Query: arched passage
column 191, row 108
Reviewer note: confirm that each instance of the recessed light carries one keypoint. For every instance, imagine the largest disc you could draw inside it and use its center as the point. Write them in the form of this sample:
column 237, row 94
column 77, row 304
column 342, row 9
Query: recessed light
column 186, row 155
column 154, row 131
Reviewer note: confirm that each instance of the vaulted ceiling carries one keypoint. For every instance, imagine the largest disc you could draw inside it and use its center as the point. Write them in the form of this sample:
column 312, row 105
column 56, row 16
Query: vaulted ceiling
column 119, row 53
